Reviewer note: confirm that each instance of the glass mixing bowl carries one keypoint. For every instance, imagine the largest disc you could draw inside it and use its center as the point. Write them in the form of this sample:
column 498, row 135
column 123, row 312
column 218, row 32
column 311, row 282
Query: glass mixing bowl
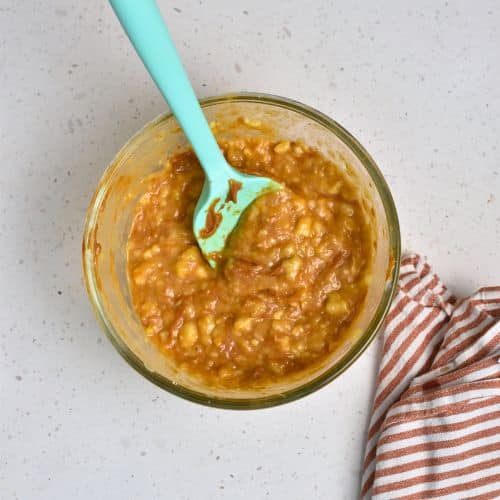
column 109, row 219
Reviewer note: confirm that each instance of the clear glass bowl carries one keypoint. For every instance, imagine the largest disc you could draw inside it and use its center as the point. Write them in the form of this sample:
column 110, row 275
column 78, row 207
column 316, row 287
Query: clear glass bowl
column 109, row 220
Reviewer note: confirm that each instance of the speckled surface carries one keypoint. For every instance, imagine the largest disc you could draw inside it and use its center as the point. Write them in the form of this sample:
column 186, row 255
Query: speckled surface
column 419, row 86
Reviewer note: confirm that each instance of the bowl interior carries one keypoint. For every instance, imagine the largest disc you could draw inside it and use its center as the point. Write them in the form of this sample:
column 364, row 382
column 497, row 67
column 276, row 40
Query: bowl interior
column 110, row 217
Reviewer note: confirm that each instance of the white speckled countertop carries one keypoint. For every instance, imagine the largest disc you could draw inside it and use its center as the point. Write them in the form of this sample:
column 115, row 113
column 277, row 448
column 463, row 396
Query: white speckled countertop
column 418, row 83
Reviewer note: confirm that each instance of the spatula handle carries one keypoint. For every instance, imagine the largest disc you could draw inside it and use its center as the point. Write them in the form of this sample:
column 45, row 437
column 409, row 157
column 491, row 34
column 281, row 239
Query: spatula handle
column 143, row 23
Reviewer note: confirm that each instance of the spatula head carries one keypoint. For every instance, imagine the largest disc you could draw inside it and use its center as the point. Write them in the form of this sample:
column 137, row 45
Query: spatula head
column 220, row 206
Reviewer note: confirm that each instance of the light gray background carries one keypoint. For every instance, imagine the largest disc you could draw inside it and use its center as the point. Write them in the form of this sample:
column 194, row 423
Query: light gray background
column 417, row 82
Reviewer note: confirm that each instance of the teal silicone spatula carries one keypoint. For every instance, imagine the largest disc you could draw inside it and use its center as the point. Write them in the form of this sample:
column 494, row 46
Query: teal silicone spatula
column 226, row 192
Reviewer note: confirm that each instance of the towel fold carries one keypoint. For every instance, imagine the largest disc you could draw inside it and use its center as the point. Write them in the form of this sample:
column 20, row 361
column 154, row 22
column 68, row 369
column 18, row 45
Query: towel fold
column 435, row 425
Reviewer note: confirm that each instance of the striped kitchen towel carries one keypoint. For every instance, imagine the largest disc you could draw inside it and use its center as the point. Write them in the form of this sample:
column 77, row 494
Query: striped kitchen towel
column 435, row 424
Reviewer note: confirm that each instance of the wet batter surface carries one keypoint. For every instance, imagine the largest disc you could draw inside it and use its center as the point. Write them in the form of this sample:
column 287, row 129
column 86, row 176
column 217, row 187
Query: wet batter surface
column 290, row 281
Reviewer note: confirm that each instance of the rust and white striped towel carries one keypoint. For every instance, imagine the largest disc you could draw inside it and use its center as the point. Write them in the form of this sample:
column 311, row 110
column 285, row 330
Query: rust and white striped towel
column 435, row 425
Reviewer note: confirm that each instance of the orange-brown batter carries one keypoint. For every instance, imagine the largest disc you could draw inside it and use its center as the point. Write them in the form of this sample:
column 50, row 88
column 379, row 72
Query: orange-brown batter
column 290, row 281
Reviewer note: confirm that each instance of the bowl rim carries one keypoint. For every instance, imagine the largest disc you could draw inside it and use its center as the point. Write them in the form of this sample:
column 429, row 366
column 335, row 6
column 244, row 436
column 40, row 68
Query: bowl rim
column 335, row 370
